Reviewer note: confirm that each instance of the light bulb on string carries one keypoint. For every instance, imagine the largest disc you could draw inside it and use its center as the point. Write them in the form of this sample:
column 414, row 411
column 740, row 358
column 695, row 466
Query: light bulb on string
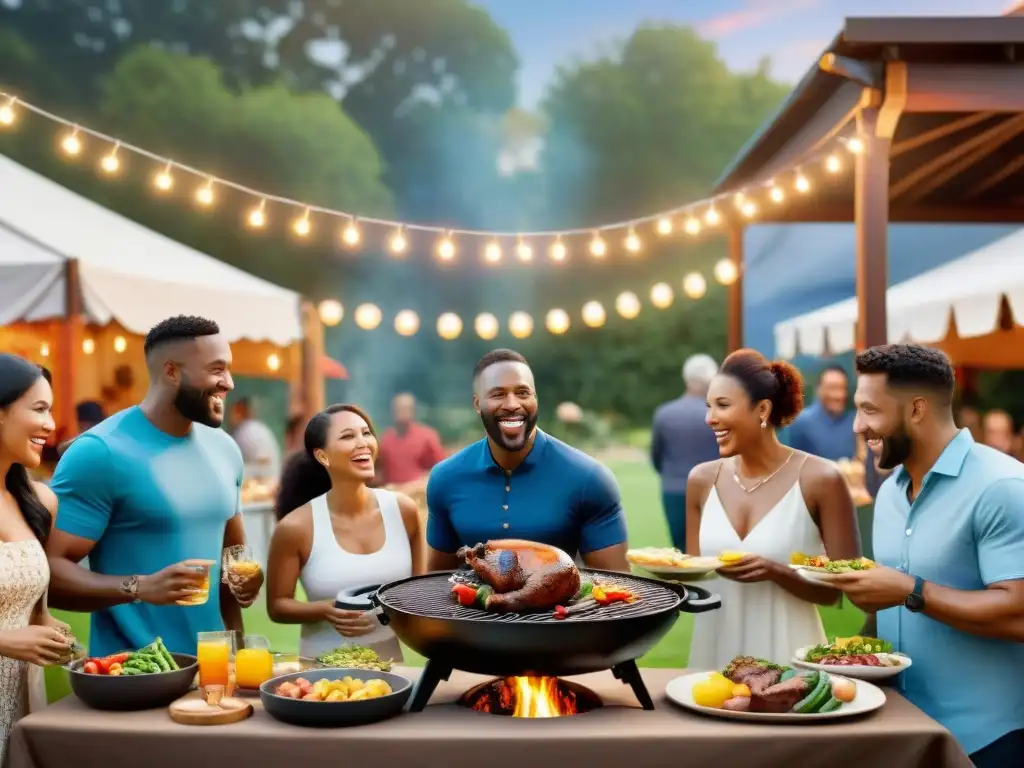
column 692, row 225
column 446, row 248
column 258, row 215
column 492, row 252
column 593, row 314
column 407, row 323
column 302, row 225
column 520, row 325
column 632, row 242
column 712, row 217
column 44, row 350
column 111, row 163
column 486, row 326
column 7, row 113
column 449, row 326
column 738, row 199
column 662, row 295
column 802, row 185
column 557, row 321
column 368, row 316
column 163, row 181
column 749, row 209
column 71, row 144
column 665, row 225
column 88, row 346
column 598, row 247
column 558, row 250
column 523, row 251
column 725, row 271
column 350, row 235
column 694, row 285
column 273, row 362
column 331, row 312
column 777, row 194
column 204, row 194
column 833, row 164
column 120, row 344
column 398, row 242
column 627, row 304
column 855, row 145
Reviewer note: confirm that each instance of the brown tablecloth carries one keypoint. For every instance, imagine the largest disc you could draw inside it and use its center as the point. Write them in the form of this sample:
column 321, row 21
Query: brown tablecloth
column 619, row 734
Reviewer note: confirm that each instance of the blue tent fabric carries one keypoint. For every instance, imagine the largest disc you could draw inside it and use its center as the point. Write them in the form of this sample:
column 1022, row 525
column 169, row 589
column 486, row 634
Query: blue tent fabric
column 791, row 269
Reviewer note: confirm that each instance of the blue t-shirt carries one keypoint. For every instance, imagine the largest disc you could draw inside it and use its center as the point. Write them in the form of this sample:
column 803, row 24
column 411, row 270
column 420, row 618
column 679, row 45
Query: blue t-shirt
column 557, row 496
column 965, row 530
column 820, row 433
column 149, row 500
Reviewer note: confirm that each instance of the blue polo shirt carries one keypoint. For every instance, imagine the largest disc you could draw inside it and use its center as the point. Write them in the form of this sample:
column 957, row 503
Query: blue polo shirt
column 965, row 530
column 557, row 495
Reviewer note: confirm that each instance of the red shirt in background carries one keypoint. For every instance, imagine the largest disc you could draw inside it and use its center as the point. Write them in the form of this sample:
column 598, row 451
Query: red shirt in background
column 408, row 457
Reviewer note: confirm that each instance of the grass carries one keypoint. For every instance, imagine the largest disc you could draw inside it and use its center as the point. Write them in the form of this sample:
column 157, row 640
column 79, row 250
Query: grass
column 647, row 527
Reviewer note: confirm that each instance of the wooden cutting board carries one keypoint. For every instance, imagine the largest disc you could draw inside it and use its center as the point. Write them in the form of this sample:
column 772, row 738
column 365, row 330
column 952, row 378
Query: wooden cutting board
column 193, row 710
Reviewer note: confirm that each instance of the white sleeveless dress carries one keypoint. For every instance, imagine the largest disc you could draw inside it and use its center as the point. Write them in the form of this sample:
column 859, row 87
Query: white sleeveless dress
column 762, row 619
column 331, row 569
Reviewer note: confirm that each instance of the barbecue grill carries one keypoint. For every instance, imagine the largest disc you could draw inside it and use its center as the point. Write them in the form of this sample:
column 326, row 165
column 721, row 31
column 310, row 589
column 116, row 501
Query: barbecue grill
column 423, row 615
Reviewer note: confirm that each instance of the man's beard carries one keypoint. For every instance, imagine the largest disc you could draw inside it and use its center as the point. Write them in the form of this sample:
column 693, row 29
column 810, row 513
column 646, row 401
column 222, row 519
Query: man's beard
column 896, row 448
column 194, row 404
column 493, row 430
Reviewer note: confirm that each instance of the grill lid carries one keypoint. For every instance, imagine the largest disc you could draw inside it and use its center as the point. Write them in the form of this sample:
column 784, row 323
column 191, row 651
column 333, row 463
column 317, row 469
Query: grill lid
column 430, row 596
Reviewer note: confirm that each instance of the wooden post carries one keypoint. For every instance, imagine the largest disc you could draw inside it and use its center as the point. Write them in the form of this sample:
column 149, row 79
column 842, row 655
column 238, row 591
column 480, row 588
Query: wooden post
column 735, row 311
column 871, row 214
column 312, row 356
column 69, row 348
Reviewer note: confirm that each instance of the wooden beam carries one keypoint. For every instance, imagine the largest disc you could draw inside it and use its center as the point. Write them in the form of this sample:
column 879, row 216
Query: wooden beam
column 965, row 88
column 871, row 211
column 939, row 132
column 312, row 354
column 895, row 99
column 867, row 74
column 843, row 213
column 996, row 178
column 735, row 309
column 69, row 346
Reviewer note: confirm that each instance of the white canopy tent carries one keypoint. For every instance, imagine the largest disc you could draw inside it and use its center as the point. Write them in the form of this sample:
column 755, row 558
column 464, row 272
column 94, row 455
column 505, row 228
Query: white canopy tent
column 127, row 272
column 958, row 306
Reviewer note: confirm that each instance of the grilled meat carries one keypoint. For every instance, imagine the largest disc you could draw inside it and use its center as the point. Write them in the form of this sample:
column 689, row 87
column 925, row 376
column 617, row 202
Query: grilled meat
column 525, row 575
column 780, row 697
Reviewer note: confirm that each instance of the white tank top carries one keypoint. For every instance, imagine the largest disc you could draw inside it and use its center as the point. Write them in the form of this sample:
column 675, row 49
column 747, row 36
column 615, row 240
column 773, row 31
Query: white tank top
column 331, row 569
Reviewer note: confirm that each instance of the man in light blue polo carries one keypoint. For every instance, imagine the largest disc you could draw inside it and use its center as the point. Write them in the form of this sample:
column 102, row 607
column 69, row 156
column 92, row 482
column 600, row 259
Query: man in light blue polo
column 520, row 483
column 949, row 535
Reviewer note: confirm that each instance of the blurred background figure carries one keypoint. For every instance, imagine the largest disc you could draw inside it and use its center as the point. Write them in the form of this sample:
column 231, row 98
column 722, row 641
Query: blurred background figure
column 826, row 428
column 89, row 413
column 408, row 449
column 970, row 418
column 260, row 450
column 997, row 431
column 680, row 440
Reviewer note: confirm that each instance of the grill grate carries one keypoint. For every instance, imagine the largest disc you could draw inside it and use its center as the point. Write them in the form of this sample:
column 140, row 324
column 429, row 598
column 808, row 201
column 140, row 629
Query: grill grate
column 430, row 596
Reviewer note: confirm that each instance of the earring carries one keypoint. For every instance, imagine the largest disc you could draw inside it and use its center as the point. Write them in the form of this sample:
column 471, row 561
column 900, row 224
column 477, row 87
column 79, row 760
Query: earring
column 764, row 423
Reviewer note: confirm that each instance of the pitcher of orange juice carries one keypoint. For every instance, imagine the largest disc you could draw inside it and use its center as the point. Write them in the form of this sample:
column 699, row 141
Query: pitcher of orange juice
column 254, row 664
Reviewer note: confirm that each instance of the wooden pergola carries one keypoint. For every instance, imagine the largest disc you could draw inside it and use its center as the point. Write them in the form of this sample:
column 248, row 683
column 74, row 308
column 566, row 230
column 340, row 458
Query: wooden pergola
column 938, row 106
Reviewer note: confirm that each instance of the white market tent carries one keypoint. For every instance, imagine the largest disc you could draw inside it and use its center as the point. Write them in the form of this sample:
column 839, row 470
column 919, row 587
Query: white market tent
column 972, row 307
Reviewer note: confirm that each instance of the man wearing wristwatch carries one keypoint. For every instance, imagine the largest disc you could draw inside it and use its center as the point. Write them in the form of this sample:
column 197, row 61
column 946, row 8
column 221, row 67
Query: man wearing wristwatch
column 149, row 496
column 949, row 540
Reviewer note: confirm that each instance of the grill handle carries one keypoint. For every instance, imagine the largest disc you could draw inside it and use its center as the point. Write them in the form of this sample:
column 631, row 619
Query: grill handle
column 382, row 617
column 694, row 599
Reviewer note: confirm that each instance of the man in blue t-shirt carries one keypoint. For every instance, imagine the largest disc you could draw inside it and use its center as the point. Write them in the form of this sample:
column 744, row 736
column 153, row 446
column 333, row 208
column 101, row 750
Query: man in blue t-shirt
column 149, row 490
column 521, row 483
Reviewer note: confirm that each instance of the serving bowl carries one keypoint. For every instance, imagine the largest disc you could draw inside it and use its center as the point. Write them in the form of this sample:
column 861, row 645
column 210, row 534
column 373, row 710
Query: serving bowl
column 336, row 714
column 127, row 693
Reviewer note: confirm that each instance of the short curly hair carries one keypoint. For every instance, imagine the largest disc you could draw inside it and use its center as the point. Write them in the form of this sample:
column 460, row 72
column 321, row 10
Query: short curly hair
column 908, row 366
column 178, row 328
column 496, row 356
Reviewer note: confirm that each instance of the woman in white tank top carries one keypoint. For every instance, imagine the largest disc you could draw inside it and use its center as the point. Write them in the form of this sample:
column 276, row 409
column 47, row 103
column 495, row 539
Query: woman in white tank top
column 335, row 534
column 766, row 501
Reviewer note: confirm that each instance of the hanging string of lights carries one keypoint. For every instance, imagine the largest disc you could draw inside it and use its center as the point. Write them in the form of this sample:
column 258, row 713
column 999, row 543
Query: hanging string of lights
column 691, row 218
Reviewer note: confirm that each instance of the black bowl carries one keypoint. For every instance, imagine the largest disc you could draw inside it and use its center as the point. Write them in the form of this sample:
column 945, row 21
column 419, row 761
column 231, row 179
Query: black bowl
column 336, row 714
column 128, row 693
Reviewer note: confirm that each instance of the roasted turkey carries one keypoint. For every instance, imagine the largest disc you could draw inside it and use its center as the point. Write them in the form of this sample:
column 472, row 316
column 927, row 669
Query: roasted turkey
column 525, row 575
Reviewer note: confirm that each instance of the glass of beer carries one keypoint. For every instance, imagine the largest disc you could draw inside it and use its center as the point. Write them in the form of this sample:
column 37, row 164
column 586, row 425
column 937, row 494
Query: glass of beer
column 202, row 594
column 239, row 565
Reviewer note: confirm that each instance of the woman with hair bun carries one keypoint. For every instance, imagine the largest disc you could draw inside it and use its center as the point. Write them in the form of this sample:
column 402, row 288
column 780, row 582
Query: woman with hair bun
column 336, row 533
column 764, row 501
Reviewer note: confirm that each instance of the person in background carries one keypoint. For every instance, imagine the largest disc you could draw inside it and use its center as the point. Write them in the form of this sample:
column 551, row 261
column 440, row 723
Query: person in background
column 969, row 418
column 121, row 394
column 998, row 432
column 89, row 413
column 408, row 449
column 763, row 501
column 680, row 440
column 948, row 539
column 826, row 428
column 335, row 533
column 260, row 451
column 150, row 495
column 520, row 483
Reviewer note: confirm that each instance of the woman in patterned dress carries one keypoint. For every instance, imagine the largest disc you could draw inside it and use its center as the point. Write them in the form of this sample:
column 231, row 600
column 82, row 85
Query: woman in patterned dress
column 29, row 635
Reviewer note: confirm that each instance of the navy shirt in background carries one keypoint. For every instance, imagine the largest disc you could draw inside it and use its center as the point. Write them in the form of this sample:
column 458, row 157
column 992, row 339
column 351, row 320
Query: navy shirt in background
column 819, row 433
column 557, row 496
column 680, row 440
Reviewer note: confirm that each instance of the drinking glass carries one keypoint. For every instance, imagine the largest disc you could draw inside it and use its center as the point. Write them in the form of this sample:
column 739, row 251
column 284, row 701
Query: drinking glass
column 254, row 663
column 213, row 651
column 203, row 594
column 238, row 565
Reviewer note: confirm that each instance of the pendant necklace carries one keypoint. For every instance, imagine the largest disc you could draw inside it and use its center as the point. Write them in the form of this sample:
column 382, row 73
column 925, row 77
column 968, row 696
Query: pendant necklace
column 763, row 480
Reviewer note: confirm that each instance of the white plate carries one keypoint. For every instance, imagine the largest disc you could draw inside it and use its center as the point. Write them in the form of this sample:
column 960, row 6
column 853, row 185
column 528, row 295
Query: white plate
column 814, row 575
column 869, row 698
column 853, row 670
column 707, row 566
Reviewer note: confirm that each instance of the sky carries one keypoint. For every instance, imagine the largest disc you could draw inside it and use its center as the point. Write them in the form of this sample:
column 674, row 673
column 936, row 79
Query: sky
column 793, row 33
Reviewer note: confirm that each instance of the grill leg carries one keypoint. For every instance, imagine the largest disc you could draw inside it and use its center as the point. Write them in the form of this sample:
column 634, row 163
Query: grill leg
column 433, row 673
column 629, row 673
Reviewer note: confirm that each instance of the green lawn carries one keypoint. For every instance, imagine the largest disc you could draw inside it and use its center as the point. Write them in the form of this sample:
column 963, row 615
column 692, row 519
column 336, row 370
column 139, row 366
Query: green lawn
column 647, row 527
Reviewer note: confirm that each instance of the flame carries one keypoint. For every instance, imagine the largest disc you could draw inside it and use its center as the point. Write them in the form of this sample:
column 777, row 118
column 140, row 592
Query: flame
column 532, row 697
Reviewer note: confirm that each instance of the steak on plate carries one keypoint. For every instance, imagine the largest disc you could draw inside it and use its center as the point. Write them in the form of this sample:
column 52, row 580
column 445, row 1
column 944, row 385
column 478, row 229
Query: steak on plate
column 780, row 697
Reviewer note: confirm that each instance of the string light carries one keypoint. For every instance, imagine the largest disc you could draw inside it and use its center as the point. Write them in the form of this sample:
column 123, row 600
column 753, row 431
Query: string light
column 7, row 113
column 120, row 344
column 726, row 271
column 163, row 181
column 368, row 316
column 557, row 321
column 492, row 252
column 71, row 144
column 855, row 145
column 833, row 164
column 777, row 194
column 593, row 314
column 331, row 312
column 273, row 361
column 694, row 285
column 110, row 164
column 523, row 251
column 44, row 350
column 258, row 215
column 749, row 209
column 598, row 247
column 446, row 248
column 398, row 243
column 712, row 217
column 738, row 199
column 627, row 304
column 803, row 186
column 449, row 326
column 88, row 346
column 692, row 225
column 302, row 226
column 486, row 326
column 351, row 235
column 407, row 323
column 632, row 242
column 558, row 251
column 662, row 295
column 665, row 225
column 520, row 325
column 204, row 194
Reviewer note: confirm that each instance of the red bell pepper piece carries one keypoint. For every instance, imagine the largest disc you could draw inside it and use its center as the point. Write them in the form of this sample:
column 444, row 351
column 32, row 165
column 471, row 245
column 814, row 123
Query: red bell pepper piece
column 561, row 612
column 465, row 594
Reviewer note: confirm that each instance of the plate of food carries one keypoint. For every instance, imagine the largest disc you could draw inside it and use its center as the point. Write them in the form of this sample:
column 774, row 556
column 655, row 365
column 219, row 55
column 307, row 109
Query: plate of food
column 821, row 570
column 867, row 658
column 335, row 697
column 760, row 691
column 670, row 563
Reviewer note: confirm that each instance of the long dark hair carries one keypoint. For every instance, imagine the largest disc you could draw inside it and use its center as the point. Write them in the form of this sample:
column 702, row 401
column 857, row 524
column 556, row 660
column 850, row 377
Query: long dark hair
column 18, row 376
column 304, row 478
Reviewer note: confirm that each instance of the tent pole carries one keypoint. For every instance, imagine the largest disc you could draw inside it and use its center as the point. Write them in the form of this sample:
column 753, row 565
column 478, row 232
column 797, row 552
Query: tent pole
column 735, row 299
column 69, row 346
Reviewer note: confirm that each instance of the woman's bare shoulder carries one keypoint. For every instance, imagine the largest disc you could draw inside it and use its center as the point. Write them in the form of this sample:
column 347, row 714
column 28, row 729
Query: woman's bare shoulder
column 46, row 495
column 821, row 475
column 703, row 476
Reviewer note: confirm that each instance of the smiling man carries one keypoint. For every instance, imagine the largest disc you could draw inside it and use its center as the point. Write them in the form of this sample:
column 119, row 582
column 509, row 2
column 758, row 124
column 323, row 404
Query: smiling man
column 519, row 482
column 949, row 535
column 149, row 490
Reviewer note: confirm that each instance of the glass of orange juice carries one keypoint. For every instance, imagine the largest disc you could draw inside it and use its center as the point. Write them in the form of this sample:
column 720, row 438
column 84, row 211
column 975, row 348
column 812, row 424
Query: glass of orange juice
column 213, row 651
column 202, row 594
column 254, row 664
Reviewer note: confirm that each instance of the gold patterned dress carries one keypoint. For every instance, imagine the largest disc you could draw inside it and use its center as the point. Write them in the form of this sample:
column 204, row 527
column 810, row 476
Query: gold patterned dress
column 24, row 576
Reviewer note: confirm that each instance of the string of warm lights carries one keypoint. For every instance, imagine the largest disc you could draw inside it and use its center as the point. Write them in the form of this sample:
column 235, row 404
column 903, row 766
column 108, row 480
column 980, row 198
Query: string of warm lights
column 692, row 218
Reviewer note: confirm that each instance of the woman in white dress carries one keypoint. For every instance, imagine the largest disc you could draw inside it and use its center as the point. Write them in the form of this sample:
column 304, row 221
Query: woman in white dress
column 335, row 534
column 766, row 501
column 30, row 638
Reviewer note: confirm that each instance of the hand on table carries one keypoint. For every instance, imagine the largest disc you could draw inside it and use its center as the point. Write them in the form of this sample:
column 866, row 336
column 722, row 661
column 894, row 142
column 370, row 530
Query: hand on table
column 36, row 644
column 874, row 589
column 750, row 569
column 350, row 623
column 175, row 582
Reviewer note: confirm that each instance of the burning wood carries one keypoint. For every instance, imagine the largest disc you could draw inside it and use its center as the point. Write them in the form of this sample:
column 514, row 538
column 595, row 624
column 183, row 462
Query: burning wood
column 533, row 697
